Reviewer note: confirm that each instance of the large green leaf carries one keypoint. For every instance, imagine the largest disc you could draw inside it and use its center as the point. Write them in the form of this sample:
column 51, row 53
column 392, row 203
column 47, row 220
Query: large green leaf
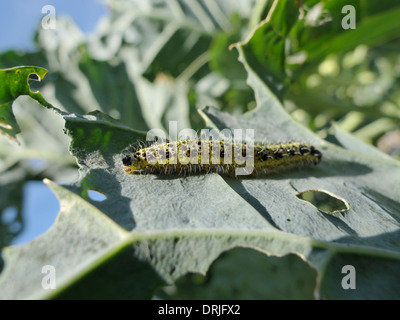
column 150, row 231
column 176, row 225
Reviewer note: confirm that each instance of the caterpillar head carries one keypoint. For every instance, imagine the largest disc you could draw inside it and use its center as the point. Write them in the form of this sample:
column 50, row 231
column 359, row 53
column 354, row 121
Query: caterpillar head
column 131, row 164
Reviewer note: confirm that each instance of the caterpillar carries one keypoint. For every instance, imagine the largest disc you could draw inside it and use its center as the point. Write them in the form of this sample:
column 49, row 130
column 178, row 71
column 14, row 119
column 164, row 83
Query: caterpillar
column 191, row 156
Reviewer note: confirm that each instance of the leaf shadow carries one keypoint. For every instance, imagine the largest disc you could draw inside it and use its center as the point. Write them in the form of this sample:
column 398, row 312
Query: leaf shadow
column 388, row 205
column 388, row 240
column 330, row 168
column 238, row 187
column 326, row 169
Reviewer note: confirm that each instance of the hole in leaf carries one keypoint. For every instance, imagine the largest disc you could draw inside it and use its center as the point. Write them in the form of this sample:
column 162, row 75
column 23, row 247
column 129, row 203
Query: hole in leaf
column 35, row 83
column 96, row 195
column 9, row 214
column 325, row 201
column 34, row 76
column 15, row 227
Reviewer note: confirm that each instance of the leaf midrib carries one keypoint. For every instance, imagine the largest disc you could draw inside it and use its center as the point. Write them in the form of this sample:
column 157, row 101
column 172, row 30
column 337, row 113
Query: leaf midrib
column 133, row 237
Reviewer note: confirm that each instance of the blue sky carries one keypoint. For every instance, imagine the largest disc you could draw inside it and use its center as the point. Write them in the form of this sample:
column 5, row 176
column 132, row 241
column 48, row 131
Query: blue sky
column 18, row 21
column 20, row 18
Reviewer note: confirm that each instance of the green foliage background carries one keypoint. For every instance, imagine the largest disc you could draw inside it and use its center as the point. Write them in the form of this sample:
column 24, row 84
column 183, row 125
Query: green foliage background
column 294, row 72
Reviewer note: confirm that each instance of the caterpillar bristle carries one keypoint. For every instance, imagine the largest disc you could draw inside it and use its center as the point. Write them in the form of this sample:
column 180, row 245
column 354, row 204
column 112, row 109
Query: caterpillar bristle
column 206, row 156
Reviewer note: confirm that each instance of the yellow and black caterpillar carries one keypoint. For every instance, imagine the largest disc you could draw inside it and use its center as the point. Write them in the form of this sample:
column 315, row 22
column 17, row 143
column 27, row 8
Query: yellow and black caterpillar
column 191, row 156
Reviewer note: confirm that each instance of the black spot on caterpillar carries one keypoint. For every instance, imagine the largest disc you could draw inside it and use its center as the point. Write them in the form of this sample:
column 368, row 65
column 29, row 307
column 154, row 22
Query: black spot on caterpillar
column 191, row 156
